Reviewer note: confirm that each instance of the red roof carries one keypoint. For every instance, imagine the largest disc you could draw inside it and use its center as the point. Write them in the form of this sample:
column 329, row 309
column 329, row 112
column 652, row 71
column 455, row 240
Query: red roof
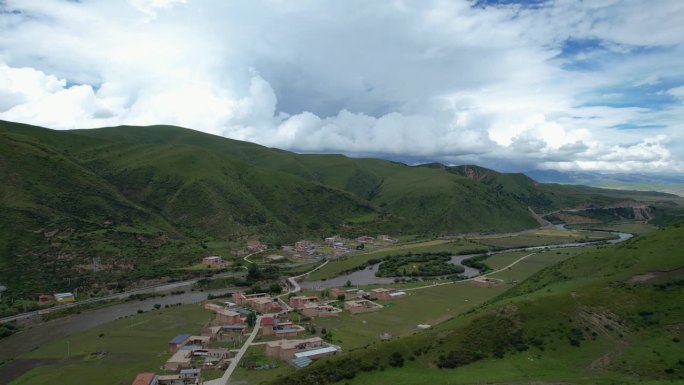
column 143, row 379
column 267, row 321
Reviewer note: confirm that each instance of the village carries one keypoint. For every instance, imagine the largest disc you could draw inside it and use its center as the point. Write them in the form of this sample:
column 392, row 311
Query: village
column 271, row 320
column 282, row 324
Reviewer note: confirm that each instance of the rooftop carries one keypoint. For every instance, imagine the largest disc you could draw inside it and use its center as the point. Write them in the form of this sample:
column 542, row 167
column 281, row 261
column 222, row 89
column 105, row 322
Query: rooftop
column 234, row 327
column 292, row 344
column 315, row 352
column 227, row 312
column 179, row 339
column 301, row 362
column 143, row 379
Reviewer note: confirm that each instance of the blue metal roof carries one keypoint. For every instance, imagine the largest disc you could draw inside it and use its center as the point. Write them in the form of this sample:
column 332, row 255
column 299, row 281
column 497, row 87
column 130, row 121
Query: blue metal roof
column 234, row 327
column 179, row 339
column 301, row 362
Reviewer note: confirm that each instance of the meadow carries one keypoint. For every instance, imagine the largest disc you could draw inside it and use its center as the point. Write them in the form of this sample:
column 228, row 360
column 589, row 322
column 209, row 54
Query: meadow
column 115, row 352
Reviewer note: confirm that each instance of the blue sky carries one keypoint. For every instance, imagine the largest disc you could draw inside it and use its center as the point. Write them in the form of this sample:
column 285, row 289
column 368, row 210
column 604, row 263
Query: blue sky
column 514, row 85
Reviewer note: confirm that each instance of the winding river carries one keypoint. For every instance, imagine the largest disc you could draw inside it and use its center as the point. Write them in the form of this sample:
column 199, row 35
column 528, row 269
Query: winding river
column 367, row 275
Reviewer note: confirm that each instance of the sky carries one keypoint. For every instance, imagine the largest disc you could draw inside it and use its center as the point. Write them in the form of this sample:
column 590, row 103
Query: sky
column 513, row 85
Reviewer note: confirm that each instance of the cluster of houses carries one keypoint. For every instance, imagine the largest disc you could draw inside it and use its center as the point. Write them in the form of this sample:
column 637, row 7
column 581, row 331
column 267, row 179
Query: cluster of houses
column 214, row 261
column 340, row 245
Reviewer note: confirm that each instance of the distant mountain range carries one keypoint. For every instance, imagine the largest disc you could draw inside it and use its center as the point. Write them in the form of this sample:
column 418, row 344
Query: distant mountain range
column 125, row 204
column 669, row 183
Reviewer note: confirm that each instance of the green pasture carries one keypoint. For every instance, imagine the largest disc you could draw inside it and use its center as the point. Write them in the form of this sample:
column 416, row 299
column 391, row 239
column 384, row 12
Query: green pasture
column 134, row 344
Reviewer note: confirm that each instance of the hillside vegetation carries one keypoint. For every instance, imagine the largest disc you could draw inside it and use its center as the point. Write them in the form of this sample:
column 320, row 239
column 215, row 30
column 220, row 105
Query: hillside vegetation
column 105, row 208
column 614, row 315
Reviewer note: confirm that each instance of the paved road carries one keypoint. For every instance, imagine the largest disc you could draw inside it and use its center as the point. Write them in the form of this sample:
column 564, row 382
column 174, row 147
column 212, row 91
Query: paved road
column 155, row 288
column 236, row 360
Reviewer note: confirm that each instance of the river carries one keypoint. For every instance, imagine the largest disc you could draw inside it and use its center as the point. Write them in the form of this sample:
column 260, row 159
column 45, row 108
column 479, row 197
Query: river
column 367, row 275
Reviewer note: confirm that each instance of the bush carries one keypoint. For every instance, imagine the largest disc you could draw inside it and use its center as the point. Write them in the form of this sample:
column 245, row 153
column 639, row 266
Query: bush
column 396, row 360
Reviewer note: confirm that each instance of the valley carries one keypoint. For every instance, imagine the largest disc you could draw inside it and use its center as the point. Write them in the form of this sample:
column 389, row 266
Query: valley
column 166, row 231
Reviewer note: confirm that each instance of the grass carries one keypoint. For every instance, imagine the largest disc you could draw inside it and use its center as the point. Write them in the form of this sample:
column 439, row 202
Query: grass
column 133, row 344
column 541, row 237
column 433, row 305
column 576, row 321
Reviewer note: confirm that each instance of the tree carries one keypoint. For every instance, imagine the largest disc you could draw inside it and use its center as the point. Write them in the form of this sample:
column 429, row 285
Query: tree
column 348, row 284
column 325, row 293
column 396, row 360
column 341, row 297
column 253, row 272
column 251, row 319
column 157, row 306
column 275, row 288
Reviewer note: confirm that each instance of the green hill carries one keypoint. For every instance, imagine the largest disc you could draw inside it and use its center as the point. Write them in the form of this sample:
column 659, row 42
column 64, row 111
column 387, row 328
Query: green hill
column 144, row 201
column 613, row 315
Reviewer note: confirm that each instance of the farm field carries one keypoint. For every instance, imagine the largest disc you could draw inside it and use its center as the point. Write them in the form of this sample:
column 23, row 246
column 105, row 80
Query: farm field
column 114, row 353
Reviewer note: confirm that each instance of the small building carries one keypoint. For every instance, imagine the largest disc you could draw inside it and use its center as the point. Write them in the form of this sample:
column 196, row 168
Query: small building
column 229, row 304
column 64, row 297
column 228, row 317
column 190, row 374
column 365, row 239
column 256, row 246
column 384, row 238
column 202, row 341
column 241, row 298
column 145, row 379
column 274, row 258
column 43, row 299
column 286, row 349
column 271, row 326
column 299, row 301
column 178, row 341
column 361, row 306
column 317, row 353
column 212, row 332
column 179, row 360
column 265, row 305
column 333, row 239
column 268, row 325
column 386, row 294
column 319, row 310
column 303, row 246
column 232, row 333
column 170, row 379
column 336, row 292
column 213, row 261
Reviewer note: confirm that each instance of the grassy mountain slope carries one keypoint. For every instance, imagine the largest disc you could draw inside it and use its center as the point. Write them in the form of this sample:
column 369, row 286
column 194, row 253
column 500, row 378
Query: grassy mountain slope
column 613, row 315
column 148, row 199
